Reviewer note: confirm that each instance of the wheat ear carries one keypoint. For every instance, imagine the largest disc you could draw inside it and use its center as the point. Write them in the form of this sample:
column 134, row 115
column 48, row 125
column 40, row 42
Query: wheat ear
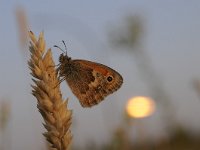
column 46, row 89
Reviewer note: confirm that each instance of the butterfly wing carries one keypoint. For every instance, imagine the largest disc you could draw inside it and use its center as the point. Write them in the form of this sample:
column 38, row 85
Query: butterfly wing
column 91, row 82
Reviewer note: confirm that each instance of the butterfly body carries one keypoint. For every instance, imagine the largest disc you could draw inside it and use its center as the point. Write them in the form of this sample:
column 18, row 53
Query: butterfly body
column 90, row 82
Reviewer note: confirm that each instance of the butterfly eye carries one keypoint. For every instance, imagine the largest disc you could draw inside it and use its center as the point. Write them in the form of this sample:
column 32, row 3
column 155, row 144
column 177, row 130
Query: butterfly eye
column 61, row 58
column 109, row 78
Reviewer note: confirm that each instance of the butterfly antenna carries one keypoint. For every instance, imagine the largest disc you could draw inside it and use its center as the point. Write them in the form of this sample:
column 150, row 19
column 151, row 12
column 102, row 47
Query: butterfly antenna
column 65, row 46
column 59, row 48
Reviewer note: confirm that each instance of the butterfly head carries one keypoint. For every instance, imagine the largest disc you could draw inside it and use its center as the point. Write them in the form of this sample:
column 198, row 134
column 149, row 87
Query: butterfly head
column 63, row 57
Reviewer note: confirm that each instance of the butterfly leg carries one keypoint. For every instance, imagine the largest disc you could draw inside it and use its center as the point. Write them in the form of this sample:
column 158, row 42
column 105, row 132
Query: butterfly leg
column 60, row 81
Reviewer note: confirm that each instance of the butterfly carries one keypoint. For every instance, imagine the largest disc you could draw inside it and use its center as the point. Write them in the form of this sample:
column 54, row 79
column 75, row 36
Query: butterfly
column 89, row 81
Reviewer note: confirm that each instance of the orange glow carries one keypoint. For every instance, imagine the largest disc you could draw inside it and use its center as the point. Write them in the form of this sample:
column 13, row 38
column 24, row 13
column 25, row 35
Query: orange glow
column 140, row 107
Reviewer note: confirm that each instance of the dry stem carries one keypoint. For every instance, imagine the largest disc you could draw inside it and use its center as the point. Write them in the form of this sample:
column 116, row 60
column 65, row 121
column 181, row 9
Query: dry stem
column 46, row 89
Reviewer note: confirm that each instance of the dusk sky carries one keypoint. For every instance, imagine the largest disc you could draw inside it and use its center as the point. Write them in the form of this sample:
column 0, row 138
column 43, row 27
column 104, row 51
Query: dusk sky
column 171, row 39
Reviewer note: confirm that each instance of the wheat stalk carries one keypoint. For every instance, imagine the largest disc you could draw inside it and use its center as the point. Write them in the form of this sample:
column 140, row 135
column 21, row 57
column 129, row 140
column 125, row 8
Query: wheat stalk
column 57, row 118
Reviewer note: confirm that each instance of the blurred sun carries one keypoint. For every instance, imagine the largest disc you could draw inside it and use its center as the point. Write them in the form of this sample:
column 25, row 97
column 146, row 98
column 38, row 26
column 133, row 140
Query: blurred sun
column 140, row 107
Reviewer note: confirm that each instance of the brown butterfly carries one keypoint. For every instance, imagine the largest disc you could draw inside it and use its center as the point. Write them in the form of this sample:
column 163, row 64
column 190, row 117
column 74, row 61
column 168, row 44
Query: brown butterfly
column 89, row 81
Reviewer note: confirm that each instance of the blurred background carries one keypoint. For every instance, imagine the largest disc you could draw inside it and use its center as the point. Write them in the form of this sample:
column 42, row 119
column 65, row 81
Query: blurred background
column 154, row 45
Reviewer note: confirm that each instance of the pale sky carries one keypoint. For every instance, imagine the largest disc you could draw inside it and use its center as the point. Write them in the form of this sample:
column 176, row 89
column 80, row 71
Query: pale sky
column 171, row 40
